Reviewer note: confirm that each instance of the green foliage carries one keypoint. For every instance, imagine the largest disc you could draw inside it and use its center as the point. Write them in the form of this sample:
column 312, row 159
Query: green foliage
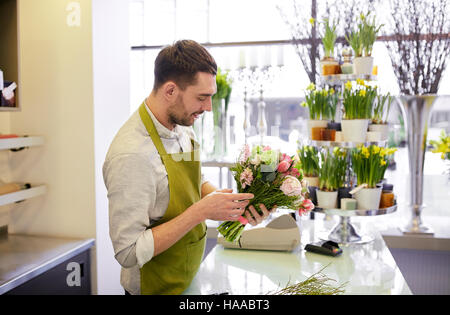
column 322, row 104
column 379, row 108
column 224, row 88
column 332, row 169
column 358, row 101
column 309, row 159
column 329, row 38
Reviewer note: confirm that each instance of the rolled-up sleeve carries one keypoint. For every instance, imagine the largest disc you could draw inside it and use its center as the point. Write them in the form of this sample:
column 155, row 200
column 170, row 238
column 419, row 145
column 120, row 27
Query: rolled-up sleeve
column 131, row 193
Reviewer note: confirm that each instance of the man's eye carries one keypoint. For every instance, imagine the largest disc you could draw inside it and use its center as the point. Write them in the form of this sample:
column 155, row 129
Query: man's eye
column 202, row 99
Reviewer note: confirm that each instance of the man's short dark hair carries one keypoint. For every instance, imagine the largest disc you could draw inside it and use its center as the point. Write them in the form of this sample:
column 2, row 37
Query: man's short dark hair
column 181, row 62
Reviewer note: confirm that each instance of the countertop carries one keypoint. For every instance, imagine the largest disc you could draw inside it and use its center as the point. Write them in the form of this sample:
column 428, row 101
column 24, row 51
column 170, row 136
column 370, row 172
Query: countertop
column 23, row 258
column 367, row 268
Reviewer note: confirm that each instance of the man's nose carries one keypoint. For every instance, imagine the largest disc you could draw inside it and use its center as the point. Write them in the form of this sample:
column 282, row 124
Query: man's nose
column 208, row 105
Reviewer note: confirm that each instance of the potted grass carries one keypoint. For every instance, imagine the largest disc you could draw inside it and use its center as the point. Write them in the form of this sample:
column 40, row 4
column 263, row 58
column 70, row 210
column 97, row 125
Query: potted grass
column 358, row 106
column 309, row 160
column 317, row 102
column 327, row 192
column 380, row 116
column 369, row 165
column 340, row 172
column 329, row 65
column 368, row 31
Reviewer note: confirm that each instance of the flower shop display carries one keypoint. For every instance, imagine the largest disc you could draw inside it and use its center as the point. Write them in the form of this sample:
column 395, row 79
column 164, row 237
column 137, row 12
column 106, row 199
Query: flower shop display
column 309, row 159
column 369, row 164
column 273, row 178
column 358, row 104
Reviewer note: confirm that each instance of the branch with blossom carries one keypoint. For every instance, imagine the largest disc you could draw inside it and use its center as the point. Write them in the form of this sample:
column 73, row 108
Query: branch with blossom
column 275, row 180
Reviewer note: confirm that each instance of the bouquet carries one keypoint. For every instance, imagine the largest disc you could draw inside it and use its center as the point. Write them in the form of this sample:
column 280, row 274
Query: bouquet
column 274, row 179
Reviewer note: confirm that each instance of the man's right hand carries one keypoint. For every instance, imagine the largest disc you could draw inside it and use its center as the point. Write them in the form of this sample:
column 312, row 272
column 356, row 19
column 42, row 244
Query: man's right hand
column 221, row 205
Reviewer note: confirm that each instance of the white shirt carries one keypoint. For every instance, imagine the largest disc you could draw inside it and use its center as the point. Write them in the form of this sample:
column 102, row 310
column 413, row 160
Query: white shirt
column 138, row 191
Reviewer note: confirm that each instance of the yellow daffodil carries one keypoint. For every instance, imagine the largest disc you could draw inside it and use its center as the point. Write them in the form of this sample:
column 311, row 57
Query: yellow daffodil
column 312, row 21
column 304, row 104
column 311, row 87
column 383, row 152
column 391, row 151
column 348, row 85
column 361, row 82
column 325, row 92
column 332, row 91
column 365, row 152
column 362, row 93
column 376, row 150
column 362, row 16
column 383, row 163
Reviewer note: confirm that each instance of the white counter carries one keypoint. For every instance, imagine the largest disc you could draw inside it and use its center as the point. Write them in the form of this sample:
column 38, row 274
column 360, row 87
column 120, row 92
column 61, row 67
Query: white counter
column 368, row 268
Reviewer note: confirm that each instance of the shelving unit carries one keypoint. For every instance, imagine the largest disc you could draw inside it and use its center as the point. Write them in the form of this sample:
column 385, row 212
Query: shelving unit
column 22, row 195
column 21, row 142
column 344, row 232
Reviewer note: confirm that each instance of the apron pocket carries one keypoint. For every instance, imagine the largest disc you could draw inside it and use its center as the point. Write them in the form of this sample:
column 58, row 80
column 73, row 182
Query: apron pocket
column 195, row 255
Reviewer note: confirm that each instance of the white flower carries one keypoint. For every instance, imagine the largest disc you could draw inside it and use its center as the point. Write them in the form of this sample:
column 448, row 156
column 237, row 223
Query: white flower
column 291, row 186
column 256, row 160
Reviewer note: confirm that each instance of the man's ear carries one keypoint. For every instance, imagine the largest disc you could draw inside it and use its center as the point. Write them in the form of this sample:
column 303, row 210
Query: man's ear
column 170, row 90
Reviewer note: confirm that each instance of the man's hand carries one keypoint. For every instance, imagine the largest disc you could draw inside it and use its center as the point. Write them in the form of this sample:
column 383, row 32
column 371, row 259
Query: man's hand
column 254, row 218
column 221, row 205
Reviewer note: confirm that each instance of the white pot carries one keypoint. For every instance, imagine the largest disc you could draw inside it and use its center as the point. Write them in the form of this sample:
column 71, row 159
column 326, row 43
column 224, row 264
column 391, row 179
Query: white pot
column 383, row 129
column 368, row 198
column 373, row 136
column 339, row 137
column 354, row 130
column 312, row 181
column 327, row 199
column 363, row 65
column 316, row 123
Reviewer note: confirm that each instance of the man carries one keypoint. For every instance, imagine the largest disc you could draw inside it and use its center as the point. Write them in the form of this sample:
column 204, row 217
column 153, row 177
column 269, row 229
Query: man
column 158, row 201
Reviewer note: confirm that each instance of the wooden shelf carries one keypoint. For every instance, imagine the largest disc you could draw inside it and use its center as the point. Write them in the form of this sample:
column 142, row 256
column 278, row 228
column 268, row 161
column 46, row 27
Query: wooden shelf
column 21, row 195
column 21, row 142
column 9, row 109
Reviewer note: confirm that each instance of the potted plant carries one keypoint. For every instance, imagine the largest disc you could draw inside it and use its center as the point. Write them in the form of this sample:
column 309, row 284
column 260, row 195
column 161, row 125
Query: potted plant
column 369, row 164
column 328, row 185
column 309, row 161
column 380, row 116
column 220, row 102
column 340, row 172
column 317, row 103
column 358, row 105
column 362, row 42
column 328, row 64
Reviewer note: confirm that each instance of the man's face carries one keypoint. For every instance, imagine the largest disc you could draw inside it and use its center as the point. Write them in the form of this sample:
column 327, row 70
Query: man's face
column 193, row 101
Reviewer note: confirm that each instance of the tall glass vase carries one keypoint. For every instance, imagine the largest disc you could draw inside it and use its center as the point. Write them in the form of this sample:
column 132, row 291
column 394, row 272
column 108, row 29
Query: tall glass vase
column 220, row 119
column 416, row 112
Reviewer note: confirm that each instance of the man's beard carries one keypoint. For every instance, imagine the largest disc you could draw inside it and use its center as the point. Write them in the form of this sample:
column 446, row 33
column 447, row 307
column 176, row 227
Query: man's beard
column 178, row 116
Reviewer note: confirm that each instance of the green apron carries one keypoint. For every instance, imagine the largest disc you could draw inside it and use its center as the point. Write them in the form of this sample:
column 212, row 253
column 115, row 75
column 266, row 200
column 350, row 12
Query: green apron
column 172, row 271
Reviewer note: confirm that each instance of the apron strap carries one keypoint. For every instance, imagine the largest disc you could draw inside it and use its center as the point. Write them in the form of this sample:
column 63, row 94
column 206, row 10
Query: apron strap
column 151, row 129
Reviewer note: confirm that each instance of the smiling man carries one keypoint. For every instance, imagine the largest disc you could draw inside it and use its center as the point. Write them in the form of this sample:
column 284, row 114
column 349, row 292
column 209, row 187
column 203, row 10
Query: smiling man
column 158, row 201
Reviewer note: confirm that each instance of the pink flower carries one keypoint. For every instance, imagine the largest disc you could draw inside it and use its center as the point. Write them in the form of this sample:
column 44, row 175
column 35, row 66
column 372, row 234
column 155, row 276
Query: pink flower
column 291, row 186
column 267, row 148
column 306, row 207
column 285, row 157
column 245, row 154
column 246, row 178
column 283, row 166
column 294, row 172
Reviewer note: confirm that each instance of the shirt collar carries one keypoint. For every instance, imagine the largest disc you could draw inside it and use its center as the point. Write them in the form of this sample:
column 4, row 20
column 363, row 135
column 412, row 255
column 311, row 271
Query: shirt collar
column 163, row 131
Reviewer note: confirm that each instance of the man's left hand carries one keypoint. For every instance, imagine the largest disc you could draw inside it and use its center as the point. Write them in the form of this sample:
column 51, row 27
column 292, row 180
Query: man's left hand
column 254, row 218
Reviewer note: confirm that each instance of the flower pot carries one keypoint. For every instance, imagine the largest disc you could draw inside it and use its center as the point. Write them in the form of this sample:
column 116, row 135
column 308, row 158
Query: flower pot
column 313, row 194
column 343, row 192
column 373, row 136
column 354, row 130
column 312, row 181
column 327, row 199
column 338, row 137
column 315, row 124
column 328, row 134
column 329, row 66
column 334, row 125
column 368, row 198
column 383, row 129
column 363, row 65
column 317, row 133
column 387, row 200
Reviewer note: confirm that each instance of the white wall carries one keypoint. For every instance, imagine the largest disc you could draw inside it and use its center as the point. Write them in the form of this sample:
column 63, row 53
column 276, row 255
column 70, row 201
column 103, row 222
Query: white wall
column 111, row 53
column 74, row 78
